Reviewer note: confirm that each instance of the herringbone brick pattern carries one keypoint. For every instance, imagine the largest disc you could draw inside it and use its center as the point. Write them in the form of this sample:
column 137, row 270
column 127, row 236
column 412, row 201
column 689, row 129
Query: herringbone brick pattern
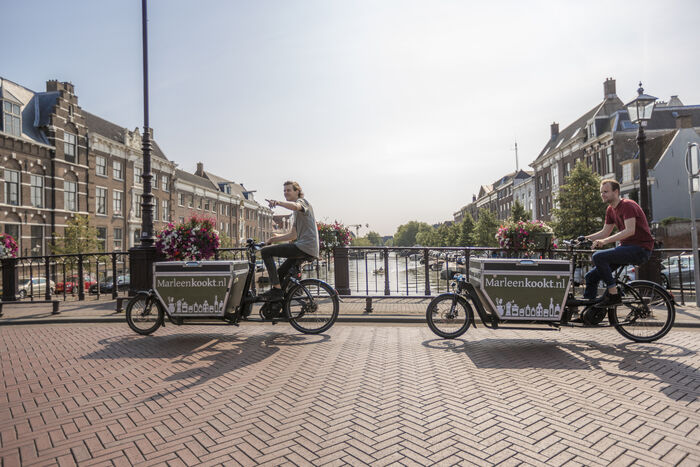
column 379, row 395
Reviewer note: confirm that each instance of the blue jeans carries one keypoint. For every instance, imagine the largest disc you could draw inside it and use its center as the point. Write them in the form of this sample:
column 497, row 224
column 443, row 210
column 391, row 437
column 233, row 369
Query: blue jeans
column 608, row 260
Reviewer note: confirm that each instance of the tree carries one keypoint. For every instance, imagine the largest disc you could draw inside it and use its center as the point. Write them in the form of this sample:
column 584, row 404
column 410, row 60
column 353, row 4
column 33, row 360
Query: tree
column 360, row 241
column 78, row 237
column 448, row 234
column 579, row 209
column 484, row 233
column 519, row 213
column 374, row 238
column 406, row 234
column 466, row 227
column 428, row 237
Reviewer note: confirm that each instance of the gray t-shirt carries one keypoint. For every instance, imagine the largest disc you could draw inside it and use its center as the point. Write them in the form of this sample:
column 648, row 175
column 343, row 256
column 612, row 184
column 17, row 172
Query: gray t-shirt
column 305, row 225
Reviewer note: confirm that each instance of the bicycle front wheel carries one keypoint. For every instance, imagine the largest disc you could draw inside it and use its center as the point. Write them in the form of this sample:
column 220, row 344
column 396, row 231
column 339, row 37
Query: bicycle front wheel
column 646, row 314
column 449, row 315
column 311, row 306
column 144, row 313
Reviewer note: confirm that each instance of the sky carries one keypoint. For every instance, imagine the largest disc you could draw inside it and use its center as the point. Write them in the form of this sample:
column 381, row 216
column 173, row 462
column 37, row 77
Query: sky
column 385, row 111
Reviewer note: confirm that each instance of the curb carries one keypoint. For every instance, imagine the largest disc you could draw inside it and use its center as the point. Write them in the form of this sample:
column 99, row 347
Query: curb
column 341, row 319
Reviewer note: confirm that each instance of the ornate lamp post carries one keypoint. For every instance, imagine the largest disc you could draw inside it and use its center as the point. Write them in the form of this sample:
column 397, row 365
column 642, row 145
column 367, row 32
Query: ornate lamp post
column 142, row 256
column 639, row 111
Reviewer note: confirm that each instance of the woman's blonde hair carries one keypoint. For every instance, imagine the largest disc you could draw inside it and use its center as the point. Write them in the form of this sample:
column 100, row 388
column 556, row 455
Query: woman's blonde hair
column 296, row 187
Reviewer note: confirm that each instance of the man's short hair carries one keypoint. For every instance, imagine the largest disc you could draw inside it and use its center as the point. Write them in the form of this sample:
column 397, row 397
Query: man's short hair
column 614, row 185
column 296, row 187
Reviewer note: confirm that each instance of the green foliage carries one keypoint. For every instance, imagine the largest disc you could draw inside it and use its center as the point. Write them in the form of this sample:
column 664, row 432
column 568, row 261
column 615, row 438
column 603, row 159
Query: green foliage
column 484, row 233
column 519, row 213
column 360, row 241
column 672, row 219
column 374, row 238
column 78, row 237
column 428, row 237
column 580, row 210
column 466, row 228
column 406, row 234
column 227, row 242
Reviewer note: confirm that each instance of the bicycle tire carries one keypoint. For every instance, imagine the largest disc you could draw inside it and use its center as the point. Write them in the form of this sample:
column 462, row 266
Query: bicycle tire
column 647, row 312
column 441, row 314
column 140, row 310
column 311, row 306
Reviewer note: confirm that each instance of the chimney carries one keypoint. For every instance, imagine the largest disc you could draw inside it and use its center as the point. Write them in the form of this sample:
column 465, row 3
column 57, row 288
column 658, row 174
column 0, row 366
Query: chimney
column 473, row 198
column 55, row 85
column 684, row 121
column 555, row 130
column 200, row 169
column 609, row 88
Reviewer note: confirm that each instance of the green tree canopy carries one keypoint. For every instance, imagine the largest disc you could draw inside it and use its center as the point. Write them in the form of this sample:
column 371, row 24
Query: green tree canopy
column 428, row 237
column 360, row 241
column 466, row 227
column 484, row 233
column 374, row 238
column 79, row 237
column 406, row 234
column 579, row 209
column 519, row 213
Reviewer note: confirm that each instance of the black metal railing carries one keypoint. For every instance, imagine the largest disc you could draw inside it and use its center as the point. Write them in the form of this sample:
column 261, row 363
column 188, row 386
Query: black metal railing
column 363, row 271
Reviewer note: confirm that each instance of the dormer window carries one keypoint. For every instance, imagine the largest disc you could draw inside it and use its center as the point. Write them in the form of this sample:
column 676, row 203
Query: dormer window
column 12, row 122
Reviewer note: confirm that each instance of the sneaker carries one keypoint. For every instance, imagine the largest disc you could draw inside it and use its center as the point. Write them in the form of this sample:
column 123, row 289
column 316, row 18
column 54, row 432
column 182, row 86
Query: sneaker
column 273, row 295
column 609, row 300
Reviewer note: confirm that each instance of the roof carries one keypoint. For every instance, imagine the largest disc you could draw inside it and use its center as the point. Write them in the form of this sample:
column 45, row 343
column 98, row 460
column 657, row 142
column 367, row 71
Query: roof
column 236, row 189
column 601, row 114
column 195, row 180
column 105, row 128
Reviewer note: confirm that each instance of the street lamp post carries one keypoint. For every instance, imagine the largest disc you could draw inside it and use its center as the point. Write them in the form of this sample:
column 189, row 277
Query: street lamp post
column 639, row 111
column 143, row 255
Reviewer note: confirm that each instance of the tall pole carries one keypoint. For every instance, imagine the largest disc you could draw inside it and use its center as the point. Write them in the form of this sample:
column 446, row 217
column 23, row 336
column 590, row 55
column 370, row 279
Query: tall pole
column 147, row 238
column 517, row 166
column 643, row 188
column 693, row 228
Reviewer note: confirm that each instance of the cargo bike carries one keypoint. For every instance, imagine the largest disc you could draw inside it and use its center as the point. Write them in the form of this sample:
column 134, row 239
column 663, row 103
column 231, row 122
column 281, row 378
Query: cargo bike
column 206, row 292
column 512, row 291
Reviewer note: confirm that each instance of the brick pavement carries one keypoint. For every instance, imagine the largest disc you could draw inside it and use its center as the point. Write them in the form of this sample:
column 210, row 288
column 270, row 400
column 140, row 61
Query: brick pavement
column 392, row 309
column 261, row 394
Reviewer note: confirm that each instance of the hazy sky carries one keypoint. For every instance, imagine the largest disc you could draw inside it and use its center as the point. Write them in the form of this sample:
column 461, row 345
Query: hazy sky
column 384, row 111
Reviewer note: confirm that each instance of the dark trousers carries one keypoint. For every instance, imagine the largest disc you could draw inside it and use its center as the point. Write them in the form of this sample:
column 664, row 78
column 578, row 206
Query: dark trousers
column 283, row 250
column 606, row 261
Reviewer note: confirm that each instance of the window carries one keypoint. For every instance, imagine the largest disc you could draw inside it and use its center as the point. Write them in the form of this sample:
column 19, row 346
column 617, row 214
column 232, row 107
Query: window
column 609, row 157
column 155, row 209
column 117, row 239
column 102, row 238
column 37, row 242
column 138, row 172
column 11, row 118
column 70, row 196
column 117, row 203
column 154, row 181
column 100, row 200
column 165, row 212
column 191, row 201
column 69, row 141
column 137, row 206
column 12, row 187
column 117, row 170
column 567, row 169
column 206, row 205
column 181, row 219
column 181, row 199
column 137, row 237
column 200, row 204
column 164, row 183
column 626, row 173
column 555, row 176
column 37, row 191
column 101, row 166
column 599, row 163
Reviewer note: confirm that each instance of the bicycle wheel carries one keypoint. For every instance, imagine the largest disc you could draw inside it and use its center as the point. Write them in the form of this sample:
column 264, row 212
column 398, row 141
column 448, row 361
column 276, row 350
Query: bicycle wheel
column 144, row 313
column 646, row 314
column 311, row 306
column 449, row 315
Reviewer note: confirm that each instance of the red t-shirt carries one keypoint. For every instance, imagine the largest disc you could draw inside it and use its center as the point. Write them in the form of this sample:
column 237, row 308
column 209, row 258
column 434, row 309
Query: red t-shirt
column 628, row 209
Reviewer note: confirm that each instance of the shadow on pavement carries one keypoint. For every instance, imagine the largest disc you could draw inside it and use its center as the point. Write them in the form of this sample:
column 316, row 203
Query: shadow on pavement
column 185, row 353
column 655, row 362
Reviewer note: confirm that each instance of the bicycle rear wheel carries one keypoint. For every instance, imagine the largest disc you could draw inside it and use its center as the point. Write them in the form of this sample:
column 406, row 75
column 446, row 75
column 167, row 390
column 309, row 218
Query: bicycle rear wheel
column 144, row 314
column 646, row 314
column 311, row 306
column 449, row 315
